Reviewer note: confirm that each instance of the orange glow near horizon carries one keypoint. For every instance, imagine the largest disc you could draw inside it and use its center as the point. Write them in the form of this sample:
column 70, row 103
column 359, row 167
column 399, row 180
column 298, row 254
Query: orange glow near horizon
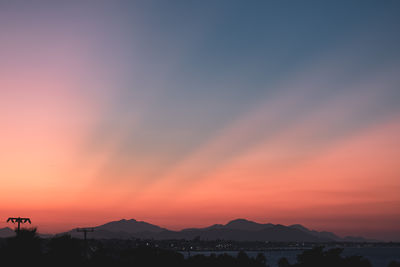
column 355, row 182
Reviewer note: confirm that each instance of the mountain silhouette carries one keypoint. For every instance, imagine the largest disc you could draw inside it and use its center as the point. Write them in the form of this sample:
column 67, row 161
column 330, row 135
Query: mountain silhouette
column 243, row 224
column 237, row 230
column 322, row 234
column 6, row 232
column 130, row 226
column 122, row 229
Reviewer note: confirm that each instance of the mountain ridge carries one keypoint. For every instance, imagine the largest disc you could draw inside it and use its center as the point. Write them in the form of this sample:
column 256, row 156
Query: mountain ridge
column 237, row 230
column 6, row 232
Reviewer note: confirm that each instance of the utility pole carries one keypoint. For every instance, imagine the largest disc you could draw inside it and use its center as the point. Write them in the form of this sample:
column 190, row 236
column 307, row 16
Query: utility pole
column 85, row 231
column 19, row 220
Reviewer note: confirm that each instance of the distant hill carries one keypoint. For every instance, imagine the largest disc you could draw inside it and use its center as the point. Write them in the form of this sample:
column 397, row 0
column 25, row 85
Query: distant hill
column 130, row 226
column 122, row 229
column 243, row 224
column 238, row 230
column 6, row 232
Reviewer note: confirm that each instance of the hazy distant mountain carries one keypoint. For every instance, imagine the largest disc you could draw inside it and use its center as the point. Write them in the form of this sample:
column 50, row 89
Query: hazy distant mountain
column 6, row 232
column 243, row 224
column 239, row 230
column 323, row 234
column 358, row 239
column 130, row 226
column 243, row 232
column 332, row 236
column 122, row 229
column 238, row 224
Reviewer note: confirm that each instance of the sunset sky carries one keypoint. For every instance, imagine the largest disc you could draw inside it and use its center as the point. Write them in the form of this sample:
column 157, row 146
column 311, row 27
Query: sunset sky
column 189, row 113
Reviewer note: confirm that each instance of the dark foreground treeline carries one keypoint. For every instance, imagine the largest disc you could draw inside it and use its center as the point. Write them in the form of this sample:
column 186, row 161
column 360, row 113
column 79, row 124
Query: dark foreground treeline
column 27, row 249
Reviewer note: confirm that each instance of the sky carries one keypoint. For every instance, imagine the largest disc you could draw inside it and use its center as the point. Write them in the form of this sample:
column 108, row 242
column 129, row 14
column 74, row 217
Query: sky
column 189, row 113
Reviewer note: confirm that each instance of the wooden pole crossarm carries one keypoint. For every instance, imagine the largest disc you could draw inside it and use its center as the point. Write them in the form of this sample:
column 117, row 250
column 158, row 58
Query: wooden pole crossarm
column 19, row 220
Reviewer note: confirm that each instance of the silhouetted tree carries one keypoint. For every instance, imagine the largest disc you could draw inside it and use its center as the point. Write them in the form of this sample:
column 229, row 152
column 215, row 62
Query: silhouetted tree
column 329, row 258
column 28, row 249
column 261, row 259
column 65, row 251
column 394, row 264
column 283, row 262
column 22, row 249
column 242, row 258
